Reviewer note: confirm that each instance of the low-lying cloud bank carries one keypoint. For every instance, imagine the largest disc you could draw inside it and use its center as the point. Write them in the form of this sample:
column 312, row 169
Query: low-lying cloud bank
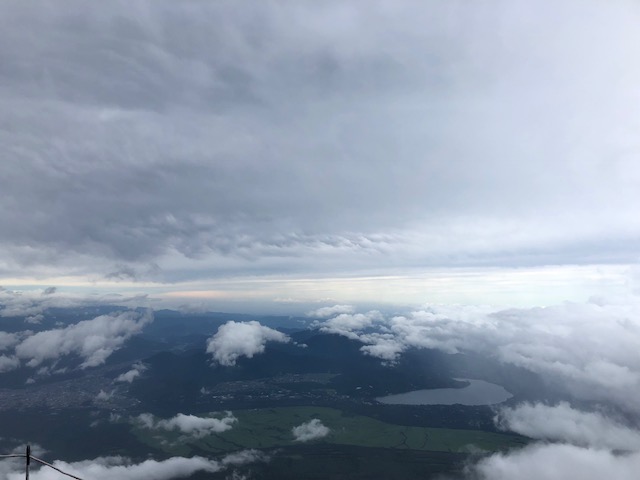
column 586, row 352
column 310, row 430
column 32, row 304
column 238, row 339
column 573, row 444
column 92, row 340
column 108, row 468
column 558, row 462
column 562, row 423
column 190, row 425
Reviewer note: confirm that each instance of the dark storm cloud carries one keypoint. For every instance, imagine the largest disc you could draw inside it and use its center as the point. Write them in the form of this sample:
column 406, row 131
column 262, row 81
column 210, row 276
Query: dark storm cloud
column 434, row 133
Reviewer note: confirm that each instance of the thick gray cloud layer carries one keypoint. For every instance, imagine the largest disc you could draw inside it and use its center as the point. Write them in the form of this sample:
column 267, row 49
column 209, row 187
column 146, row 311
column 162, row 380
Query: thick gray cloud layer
column 263, row 138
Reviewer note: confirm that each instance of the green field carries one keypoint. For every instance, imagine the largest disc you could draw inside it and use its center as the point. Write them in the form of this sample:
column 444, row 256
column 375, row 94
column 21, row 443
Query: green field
column 271, row 427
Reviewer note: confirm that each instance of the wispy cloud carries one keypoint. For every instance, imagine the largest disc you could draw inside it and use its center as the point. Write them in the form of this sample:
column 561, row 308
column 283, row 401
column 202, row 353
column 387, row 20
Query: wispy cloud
column 130, row 375
column 33, row 303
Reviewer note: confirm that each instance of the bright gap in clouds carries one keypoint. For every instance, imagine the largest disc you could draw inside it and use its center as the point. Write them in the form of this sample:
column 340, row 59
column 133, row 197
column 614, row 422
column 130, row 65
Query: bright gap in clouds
column 522, row 287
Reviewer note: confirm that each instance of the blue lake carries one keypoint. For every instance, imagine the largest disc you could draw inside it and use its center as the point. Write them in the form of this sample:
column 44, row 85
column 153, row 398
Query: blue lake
column 478, row 392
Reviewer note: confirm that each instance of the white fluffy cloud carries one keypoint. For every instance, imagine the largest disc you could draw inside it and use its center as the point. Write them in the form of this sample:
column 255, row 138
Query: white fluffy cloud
column 190, row 425
column 310, row 430
column 108, row 468
column 558, row 462
column 93, row 340
column 585, row 445
column 237, row 339
column 132, row 374
column 562, row 423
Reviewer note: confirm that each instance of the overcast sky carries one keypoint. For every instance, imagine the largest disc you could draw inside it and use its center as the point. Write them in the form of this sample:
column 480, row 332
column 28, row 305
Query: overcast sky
column 300, row 151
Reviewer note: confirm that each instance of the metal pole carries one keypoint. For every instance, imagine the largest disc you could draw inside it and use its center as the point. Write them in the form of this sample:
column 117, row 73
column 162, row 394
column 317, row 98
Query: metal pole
column 28, row 461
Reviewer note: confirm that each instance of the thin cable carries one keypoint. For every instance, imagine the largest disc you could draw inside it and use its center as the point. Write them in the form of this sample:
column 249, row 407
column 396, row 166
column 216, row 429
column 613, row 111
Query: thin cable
column 55, row 468
column 22, row 455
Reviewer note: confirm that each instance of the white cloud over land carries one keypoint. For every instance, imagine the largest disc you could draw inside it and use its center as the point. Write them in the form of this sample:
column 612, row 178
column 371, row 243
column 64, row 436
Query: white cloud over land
column 311, row 430
column 93, row 341
column 241, row 339
column 108, row 468
column 572, row 443
column 189, row 425
column 130, row 375
column 562, row 423
column 558, row 462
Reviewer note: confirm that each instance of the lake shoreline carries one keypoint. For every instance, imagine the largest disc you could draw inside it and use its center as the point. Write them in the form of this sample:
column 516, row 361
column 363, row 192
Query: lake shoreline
column 478, row 392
